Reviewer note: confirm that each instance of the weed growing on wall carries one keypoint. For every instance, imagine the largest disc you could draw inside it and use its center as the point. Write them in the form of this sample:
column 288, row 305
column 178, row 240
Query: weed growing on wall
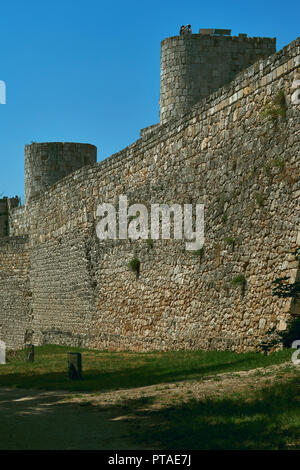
column 239, row 281
column 134, row 265
column 199, row 253
column 259, row 198
column 150, row 243
column 275, row 108
column 230, row 241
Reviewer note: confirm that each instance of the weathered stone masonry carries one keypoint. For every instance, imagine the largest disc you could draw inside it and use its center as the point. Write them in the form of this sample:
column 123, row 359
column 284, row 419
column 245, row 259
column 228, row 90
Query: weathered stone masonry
column 48, row 162
column 15, row 316
column 195, row 65
column 245, row 170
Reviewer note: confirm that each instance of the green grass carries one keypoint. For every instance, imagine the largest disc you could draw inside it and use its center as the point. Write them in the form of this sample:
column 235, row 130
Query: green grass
column 252, row 419
column 267, row 419
column 104, row 371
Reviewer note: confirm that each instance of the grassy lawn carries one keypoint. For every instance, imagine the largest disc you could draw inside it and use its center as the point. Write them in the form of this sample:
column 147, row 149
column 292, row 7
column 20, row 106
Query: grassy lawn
column 103, row 371
column 264, row 413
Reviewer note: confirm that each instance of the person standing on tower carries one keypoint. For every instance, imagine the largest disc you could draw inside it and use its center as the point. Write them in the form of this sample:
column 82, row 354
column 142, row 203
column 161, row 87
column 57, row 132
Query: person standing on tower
column 185, row 29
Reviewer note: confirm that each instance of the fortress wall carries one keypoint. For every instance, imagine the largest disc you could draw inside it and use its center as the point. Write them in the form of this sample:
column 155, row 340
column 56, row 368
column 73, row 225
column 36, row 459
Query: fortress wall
column 223, row 154
column 15, row 313
column 63, row 291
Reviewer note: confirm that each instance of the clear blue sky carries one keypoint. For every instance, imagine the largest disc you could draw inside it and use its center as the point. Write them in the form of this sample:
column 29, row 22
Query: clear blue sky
column 89, row 71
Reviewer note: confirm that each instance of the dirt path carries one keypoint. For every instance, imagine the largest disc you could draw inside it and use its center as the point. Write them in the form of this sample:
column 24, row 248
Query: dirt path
column 32, row 419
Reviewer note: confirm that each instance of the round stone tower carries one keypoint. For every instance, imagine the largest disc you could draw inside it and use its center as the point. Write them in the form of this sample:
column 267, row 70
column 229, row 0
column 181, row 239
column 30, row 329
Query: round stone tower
column 47, row 163
column 195, row 65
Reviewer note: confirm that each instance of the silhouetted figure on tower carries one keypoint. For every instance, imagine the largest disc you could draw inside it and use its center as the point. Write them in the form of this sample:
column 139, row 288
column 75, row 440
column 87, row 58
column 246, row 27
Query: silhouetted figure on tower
column 185, row 29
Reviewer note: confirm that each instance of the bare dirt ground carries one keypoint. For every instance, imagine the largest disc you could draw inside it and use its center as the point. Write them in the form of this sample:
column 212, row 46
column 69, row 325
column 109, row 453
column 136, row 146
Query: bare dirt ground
column 32, row 419
column 207, row 387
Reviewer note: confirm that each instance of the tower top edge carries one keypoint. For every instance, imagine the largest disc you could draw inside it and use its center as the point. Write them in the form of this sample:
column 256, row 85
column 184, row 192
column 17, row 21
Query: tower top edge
column 40, row 144
column 199, row 36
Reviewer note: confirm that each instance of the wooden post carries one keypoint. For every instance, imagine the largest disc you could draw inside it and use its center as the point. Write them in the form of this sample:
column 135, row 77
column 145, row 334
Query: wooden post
column 74, row 366
column 29, row 353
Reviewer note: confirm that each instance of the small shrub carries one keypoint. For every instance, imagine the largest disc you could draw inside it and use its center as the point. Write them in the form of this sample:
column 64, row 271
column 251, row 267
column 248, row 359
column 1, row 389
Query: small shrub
column 199, row 252
column 239, row 281
column 259, row 198
column 134, row 265
column 278, row 163
column 150, row 242
column 230, row 241
column 275, row 108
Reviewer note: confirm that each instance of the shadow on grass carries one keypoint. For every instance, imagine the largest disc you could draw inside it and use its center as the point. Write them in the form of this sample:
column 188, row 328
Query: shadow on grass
column 127, row 377
column 270, row 419
column 266, row 419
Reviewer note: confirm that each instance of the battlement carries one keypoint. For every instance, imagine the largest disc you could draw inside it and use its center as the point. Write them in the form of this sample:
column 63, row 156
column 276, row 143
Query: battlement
column 195, row 65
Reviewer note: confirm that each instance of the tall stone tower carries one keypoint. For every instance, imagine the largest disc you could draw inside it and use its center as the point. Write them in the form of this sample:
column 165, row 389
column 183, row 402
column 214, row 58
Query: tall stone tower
column 47, row 163
column 195, row 65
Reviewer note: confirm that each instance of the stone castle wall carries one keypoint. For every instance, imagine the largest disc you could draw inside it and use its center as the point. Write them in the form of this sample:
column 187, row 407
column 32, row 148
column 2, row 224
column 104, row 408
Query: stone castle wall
column 17, row 222
column 15, row 294
column 245, row 169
